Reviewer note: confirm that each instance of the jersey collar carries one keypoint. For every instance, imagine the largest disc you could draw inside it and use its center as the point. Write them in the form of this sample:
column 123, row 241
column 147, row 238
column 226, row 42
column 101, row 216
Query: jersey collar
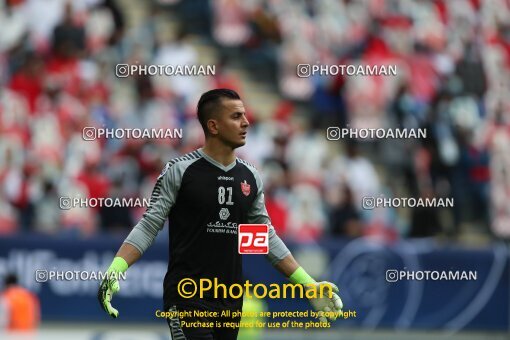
column 216, row 163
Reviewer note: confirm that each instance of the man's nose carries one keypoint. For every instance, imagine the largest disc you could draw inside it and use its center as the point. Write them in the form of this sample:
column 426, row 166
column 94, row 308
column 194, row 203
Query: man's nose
column 245, row 123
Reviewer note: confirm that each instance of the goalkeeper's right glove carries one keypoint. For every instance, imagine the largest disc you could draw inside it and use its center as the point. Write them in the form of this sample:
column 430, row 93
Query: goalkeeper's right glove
column 110, row 285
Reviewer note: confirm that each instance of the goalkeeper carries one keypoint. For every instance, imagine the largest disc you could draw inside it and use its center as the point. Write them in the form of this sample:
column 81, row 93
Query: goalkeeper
column 205, row 195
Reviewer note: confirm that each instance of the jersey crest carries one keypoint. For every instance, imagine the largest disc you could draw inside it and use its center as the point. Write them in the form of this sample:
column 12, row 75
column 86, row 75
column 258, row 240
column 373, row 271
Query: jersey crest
column 245, row 188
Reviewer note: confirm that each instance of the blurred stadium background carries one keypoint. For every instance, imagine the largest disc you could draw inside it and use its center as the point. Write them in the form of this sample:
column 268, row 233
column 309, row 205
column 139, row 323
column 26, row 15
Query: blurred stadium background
column 57, row 76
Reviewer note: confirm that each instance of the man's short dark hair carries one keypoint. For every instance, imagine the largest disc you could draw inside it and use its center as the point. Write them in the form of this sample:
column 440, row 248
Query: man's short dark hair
column 208, row 104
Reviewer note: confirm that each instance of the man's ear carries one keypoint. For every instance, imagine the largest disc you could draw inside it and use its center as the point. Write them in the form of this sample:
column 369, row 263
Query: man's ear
column 212, row 126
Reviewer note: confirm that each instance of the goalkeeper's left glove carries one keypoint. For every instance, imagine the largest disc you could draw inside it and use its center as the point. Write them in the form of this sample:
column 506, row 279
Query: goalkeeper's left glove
column 330, row 302
column 110, row 285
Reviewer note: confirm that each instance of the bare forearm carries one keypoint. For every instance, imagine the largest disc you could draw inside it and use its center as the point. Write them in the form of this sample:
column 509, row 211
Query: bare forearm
column 287, row 266
column 129, row 253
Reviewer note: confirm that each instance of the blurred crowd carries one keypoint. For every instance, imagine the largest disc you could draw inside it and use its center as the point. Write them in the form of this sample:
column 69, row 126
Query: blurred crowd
column 57, row 76
column 453, row 60
column 57, row 62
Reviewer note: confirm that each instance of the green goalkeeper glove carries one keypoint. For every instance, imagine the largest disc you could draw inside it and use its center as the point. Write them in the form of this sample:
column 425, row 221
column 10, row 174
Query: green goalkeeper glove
column 329, row 303
column 110, row 285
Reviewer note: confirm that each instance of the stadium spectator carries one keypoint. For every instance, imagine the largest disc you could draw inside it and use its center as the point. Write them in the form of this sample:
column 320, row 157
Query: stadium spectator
column 425, row 221
column 19, row 308
column 345, row 219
